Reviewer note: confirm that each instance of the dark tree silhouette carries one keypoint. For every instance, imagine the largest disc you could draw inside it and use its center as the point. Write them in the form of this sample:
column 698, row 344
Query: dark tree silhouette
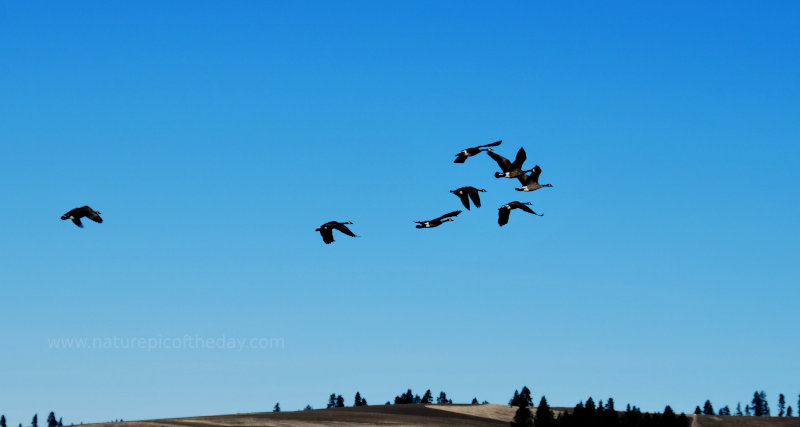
column 781, row 405
column 515, row 400
column 442, row 399
column 2, row 421
column 417, row 399
column 697, row 411
column 760, row 405
column 277, row 407
column 544, row 416
column 51, row 420
column 590, row 405
column 707, row 408
column 339, row 401
column 474, row 400
column 739, row 409
column 35, row 420
column 747, row 410
column 405, row 398
column 331, row 401
column 359, row 401
column 789, row 411
column 308, row 408
column 427, row 398
column 523, row 416
column 725, row 410
column 610, row 404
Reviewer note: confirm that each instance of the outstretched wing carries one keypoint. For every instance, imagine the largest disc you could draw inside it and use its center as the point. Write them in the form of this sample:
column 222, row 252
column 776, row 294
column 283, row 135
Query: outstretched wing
column 327, row 234
column 94, row 216
column 343, row 228
column 473, row 194
column 494, row 144
column 462, row 194
column 460, row 158
column 502, row 216
column 520, row 159
column 77, row 221
column 527, row 209
column 535, row 173
column 505, row 164
column 448, row 215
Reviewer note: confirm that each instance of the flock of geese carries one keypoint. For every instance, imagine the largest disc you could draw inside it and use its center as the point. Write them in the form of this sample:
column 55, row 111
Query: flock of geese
column 528, row 178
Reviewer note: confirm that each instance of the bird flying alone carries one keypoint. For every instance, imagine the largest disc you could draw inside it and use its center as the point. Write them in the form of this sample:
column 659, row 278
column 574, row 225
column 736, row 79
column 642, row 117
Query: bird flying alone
column 76, row 214
column 509, row 169
column 462, row 155
column 437, row 221
column 326, row 230
column 466, row 193
column 505, row 211
column 531, row 182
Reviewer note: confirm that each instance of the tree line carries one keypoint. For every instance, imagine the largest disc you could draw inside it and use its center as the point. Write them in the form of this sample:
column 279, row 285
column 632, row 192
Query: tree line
column 758, row 407
column 51, row 421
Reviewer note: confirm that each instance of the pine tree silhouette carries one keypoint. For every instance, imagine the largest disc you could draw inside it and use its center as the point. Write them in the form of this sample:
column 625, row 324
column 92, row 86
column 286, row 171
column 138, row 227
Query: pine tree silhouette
column 2, row 421
column 339, row 401
column 35, row 421
column 277, row 407
column 51, row 420
column 707, row 408
column 427, row 398
column 781, row 405
column 544, row 416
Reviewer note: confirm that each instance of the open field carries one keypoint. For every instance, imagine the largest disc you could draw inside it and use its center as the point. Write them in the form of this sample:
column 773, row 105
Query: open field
column 489, row 415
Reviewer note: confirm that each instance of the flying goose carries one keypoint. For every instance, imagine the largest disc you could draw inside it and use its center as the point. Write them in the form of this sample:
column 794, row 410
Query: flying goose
column 505, row 211
column 466, row 193
column 531, row 182
column 438, row 221
column 76, row 214
column 326, row 230
column 509, row 169
column 462, row 155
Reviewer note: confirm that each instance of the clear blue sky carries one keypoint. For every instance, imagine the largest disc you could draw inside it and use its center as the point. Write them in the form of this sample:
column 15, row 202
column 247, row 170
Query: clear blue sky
column 215, row 138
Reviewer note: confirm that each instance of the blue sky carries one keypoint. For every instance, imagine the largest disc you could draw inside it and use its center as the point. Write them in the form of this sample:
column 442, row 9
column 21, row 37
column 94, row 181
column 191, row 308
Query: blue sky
column 215, row 138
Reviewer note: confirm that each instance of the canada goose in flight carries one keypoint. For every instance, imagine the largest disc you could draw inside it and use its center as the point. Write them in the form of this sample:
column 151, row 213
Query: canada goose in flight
column 438, row 221
column 466, row 193
column 326, row 230
column 505, row 211
column 462, row 155
column 531, row 182
column 76, row 214
column 509, row 169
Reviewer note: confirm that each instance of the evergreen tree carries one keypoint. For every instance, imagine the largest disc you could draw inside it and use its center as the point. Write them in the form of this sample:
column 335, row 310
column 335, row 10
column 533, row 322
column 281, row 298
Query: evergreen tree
column 697, row 411
column 789, row 411
column 35, row 421
column 781, row 405
column 474, row 400
column 442, row 399
column 427, row 398
column 308, row 408
column 725, row 410
column 51, row 420
column 707, row 408
column 525, row 394
column 417, row 399
column 610, row 404
column 332, row 401
column 405, row 398
column 544, row 416
column 360, row 401
column 523, row 416
column 340, row 401
column 515, row 400
column 277, row 407
column 590, row 408
column 2, row 421
column 760, row 405
column 747, row 410
column 739, row 409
